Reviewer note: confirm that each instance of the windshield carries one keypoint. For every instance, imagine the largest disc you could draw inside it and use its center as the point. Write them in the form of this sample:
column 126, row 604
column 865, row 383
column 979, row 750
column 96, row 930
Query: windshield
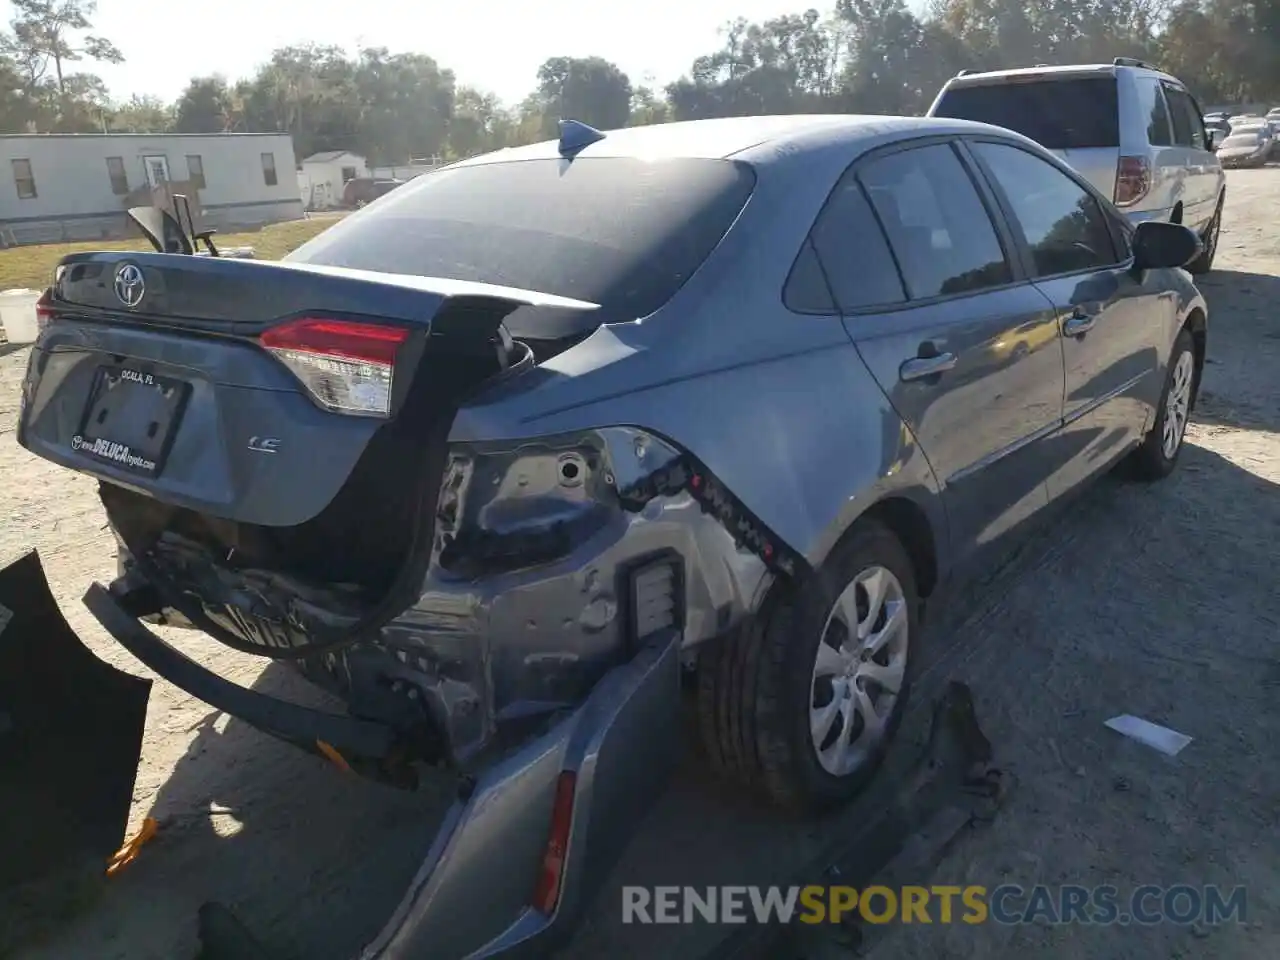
column 623, row 233
column 1069, row 114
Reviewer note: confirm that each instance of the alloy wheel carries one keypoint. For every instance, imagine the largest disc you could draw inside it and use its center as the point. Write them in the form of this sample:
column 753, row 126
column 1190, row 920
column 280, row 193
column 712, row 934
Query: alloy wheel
column 1177, row 404
column 858, row 671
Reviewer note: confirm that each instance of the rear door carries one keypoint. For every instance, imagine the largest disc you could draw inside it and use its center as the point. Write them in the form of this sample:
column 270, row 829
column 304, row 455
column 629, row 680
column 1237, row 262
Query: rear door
column 966, row 352
column 1109, row 320
column 1203, row 172
column 1074, row 115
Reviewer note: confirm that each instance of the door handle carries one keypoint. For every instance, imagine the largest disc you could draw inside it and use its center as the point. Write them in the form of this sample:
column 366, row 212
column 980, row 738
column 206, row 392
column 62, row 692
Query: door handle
column 1078, row 324
column 918, row 368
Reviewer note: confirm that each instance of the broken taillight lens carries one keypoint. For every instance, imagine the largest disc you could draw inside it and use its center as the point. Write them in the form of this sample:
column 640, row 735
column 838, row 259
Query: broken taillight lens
column 348, row 367
column 1133, row 180
column 546, row 893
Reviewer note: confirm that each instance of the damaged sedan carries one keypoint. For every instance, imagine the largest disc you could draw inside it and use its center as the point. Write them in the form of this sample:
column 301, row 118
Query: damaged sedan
column 521, row 450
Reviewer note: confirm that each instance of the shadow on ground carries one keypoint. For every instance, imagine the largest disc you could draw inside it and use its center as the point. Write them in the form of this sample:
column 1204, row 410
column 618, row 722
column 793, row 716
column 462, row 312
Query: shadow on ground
column 1244, row 339
column 312, row 860
column 1105, row 610
column 1148, row 600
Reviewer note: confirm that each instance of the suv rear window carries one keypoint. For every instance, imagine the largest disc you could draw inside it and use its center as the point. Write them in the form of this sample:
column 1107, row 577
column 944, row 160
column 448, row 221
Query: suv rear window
column 1067, row 114
column 621, row 232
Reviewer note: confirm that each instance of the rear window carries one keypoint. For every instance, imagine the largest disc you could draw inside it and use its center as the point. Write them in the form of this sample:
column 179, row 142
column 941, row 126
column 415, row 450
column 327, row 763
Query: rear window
column 1072, row 114
column 620, row 232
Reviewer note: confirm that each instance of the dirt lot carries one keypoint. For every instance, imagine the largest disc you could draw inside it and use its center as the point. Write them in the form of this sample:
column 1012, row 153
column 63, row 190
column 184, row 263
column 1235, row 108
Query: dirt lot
column 1159, row 602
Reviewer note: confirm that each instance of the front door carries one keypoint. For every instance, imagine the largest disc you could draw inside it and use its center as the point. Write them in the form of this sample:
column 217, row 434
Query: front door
column 973, row 363
column 157, row 168
column 1106, row 316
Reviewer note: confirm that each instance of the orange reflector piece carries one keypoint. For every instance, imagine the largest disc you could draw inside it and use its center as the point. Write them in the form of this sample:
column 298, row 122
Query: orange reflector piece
column 546, row 895
column 333, row 756
column 129, row 852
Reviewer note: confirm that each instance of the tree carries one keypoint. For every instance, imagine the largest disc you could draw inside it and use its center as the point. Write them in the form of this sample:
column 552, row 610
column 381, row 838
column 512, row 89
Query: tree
column 590, row 89
column 142, row 114
column 206, row 106
column 479, row 124
column 52, row 33
column 405, row 104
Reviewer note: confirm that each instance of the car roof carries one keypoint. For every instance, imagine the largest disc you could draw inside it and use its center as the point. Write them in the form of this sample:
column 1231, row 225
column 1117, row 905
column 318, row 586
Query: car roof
column 757, row 140
column 1063, row 72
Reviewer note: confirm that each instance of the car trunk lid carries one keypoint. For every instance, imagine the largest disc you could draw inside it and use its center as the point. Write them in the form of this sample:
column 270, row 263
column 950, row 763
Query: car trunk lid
column 247, row 390
column 270, row 438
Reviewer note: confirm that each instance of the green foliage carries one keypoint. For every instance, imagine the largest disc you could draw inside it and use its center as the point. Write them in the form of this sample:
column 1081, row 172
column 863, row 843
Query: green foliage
column 866, row 56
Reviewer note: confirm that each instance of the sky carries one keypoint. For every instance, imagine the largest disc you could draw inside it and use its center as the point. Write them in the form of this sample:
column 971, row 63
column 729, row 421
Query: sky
column 496, row 45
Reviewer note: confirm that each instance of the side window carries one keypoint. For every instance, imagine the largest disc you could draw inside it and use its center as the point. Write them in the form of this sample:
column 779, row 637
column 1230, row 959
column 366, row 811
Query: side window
column 850, row 249
column 937, row 226
column 1063, row 223
column 1152, row 106
column 1188, row 127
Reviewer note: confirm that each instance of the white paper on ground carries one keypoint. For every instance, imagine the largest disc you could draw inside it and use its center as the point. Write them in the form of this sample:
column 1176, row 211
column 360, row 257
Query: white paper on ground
column 1169, row 742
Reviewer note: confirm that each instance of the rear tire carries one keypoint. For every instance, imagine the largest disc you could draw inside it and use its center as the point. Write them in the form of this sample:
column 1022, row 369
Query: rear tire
column 1158, row 455
column 1204, row 263
column 796, row 666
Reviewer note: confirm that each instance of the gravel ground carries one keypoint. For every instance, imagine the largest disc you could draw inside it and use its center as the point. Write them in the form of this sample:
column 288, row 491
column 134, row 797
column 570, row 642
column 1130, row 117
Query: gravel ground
column 1157, row 601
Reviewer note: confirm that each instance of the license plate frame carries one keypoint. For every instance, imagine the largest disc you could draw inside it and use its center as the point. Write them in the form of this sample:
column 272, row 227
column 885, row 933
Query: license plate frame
column 123, row 389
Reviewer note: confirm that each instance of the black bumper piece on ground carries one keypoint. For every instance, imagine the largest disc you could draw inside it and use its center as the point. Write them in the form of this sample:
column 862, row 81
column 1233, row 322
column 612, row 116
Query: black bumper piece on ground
column 307, row 728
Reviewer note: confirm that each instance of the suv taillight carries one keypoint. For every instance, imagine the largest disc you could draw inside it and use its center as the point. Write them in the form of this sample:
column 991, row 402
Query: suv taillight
column 44, row 309
column 1133, row 180
column 347, row 367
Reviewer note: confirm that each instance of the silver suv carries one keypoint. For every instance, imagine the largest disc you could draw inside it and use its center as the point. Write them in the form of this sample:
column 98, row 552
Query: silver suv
column 1134, row 132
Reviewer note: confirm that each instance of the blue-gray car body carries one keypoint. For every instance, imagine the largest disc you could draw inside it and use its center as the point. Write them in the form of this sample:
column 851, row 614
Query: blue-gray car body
column 603, row 504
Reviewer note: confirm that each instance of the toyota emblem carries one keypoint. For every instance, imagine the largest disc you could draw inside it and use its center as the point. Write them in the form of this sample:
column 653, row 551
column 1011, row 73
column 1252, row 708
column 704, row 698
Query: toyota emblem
column 130, row 287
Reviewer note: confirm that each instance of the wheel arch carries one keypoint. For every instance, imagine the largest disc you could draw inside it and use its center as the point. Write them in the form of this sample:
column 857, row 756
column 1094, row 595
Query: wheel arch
column 921, row 532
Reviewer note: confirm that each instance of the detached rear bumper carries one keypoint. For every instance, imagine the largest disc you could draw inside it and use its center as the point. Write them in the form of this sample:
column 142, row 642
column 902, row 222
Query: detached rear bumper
column 543, row 825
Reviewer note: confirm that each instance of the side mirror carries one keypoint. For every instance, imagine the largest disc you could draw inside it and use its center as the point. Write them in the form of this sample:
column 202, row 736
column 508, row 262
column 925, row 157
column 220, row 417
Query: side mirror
column 1215, row 138
column 1158, row 245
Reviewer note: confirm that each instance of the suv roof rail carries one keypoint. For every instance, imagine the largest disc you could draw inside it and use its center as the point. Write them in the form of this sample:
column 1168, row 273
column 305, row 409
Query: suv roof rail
column 1131, row 62
column 966, row 72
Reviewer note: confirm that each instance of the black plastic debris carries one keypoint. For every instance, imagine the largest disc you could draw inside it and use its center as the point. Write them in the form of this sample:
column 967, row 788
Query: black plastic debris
column 70, row 738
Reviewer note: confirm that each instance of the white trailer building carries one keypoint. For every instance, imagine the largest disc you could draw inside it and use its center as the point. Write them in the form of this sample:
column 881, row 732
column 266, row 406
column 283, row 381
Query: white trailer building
column 76, row 186
column 326, row 175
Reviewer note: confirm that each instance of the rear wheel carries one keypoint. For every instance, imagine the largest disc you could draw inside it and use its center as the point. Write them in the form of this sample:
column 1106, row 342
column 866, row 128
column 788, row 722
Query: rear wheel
column 802, row 704
column 1158, row 455
column 1204, row 262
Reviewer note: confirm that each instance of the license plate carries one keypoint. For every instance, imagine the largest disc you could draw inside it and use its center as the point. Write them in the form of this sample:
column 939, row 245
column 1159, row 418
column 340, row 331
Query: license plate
column 131, row 418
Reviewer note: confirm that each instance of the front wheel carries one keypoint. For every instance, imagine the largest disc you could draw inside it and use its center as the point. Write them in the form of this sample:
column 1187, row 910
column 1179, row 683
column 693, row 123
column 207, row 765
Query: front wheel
column 803, row 703
column 1158, row 455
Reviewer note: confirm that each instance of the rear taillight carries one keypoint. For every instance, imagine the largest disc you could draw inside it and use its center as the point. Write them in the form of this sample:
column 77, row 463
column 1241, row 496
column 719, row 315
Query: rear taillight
column 348, row 367
column 44, row 309
column 1133, row 180
column 546, row 892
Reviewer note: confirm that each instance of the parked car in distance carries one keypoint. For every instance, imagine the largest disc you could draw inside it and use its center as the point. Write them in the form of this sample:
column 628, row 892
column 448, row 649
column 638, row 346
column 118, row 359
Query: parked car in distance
column 1218, row 130
column 1266, row 131
column 1134, row 132
column 1248, row 147
column 364, row 190
column 731, row 396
